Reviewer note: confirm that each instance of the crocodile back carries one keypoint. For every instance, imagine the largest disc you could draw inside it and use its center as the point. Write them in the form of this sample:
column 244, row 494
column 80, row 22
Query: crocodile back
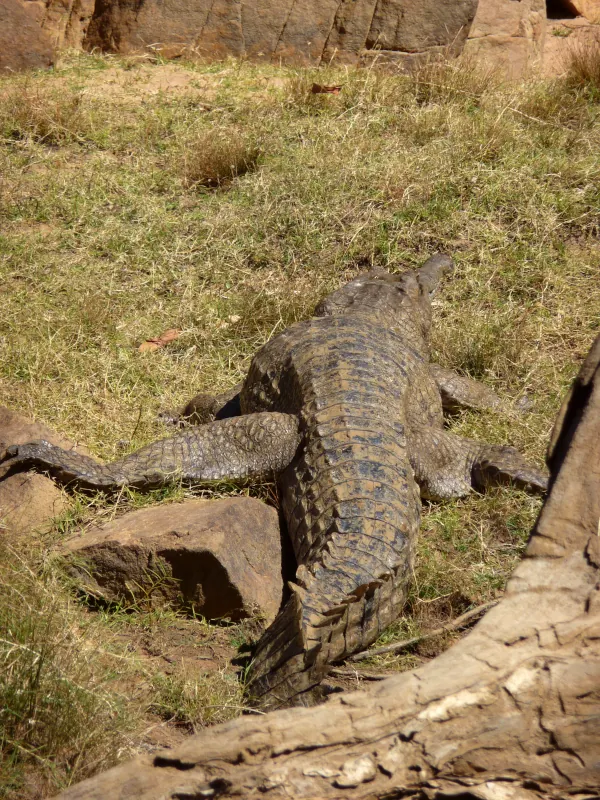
column 349, row 497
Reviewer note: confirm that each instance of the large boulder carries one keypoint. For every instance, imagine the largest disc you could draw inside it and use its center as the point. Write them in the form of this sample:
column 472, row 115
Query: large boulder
column 566, row 37
column 65, row 21
column 509, row 35
column 590, row 9
column 223, row 557
column 293, row 31
column 28, row 501
column 23, row 44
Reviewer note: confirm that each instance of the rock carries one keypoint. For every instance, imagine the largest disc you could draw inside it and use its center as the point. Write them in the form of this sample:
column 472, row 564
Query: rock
column 28, row 501
column 23, row 45
column 508, row 35
column 414, row 27
column 590, row 9
column 294, row 31
column 17, row 429
column 67, row 21
column 222, row 556
column 565, row 37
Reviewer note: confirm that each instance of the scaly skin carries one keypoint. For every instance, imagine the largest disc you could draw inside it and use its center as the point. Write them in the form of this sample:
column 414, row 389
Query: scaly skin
column 349, row 498
column 346, row 409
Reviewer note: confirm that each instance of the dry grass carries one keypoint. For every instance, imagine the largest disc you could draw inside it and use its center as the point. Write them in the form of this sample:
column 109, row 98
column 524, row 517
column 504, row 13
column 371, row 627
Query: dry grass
column 583, row 71
column 463, row 79
column 105, row 242
column 195, row 700
column 29, row 112
column 61, row 710
column 217, row 157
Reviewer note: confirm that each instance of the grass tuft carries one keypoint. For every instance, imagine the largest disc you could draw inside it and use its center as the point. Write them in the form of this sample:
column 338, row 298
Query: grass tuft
column 216, row 157
column 194, row 700
column 583, row 70
column 464, row 79
column 60, row 709
column 28, row 111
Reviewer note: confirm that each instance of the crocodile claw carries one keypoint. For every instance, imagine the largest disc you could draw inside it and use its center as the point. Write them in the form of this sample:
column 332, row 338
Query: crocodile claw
column 9, row 459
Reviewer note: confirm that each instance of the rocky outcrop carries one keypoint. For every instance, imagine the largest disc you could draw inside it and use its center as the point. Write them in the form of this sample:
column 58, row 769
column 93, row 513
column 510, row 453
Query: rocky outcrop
column 506, row 33
column 567, row 36
column 23, row 44
column 221, row 556
column 509, row 35
column 590, row 9
column 295, row 31
column 65, row 21
column 28, row 501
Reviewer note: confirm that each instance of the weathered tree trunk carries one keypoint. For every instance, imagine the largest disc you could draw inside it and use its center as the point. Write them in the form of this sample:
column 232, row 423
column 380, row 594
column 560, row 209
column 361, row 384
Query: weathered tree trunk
column 510, row 711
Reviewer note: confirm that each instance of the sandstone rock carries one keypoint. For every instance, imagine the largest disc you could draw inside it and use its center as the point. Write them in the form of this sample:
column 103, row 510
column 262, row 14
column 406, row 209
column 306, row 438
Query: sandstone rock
column 28, row 501
column 565, row 37
column 508, row 35
column 505, row 33
column 23, row 45
column 66, row 21
column 413, row 27
column 590, row 9
column 17, row 429
column 222, row 556
column 295, row 31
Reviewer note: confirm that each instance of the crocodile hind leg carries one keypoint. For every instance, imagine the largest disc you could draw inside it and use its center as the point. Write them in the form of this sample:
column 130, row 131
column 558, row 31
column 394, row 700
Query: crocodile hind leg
column 446, row 465
column 240, row 447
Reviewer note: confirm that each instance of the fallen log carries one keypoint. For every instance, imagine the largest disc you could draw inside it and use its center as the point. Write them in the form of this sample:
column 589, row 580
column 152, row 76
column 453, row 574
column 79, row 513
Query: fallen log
column 510, row 712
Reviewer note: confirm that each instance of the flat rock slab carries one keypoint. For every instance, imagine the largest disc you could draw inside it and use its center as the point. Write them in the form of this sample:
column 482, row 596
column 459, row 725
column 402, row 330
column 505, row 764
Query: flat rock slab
column 28, row 501
column 221, row 556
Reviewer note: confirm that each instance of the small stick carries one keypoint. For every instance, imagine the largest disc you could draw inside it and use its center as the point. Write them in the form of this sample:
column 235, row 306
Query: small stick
column 137, row 424
column 365, row 675
column 459, row 622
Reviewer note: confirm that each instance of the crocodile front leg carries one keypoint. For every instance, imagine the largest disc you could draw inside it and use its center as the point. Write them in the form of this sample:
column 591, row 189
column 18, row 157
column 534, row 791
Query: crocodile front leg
column 241, row 447
column 446, row 465
column 458, row 391
column 204, row 408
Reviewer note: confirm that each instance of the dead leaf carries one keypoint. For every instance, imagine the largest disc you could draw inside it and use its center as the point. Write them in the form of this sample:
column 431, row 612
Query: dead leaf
column 160, row 341
column 317, row 88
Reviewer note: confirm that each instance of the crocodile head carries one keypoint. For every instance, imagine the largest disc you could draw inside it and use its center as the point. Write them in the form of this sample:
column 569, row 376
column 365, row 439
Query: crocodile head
column 398, row 298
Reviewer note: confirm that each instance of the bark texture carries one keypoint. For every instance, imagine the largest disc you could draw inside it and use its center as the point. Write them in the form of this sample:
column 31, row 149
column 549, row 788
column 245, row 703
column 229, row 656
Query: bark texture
column 512, row 711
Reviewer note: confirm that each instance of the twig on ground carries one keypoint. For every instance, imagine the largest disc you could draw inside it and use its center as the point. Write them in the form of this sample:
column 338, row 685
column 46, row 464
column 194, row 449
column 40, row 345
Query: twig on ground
column 365, row 675
column 540, row 121
column 460, row 622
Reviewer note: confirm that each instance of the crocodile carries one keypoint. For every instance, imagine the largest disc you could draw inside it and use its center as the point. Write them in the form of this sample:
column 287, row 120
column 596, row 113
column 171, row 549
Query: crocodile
column 347, row 410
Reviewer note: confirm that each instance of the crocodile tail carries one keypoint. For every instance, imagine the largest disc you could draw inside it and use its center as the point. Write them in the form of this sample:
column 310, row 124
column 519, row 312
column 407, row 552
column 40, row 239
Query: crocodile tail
column 297, row 651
